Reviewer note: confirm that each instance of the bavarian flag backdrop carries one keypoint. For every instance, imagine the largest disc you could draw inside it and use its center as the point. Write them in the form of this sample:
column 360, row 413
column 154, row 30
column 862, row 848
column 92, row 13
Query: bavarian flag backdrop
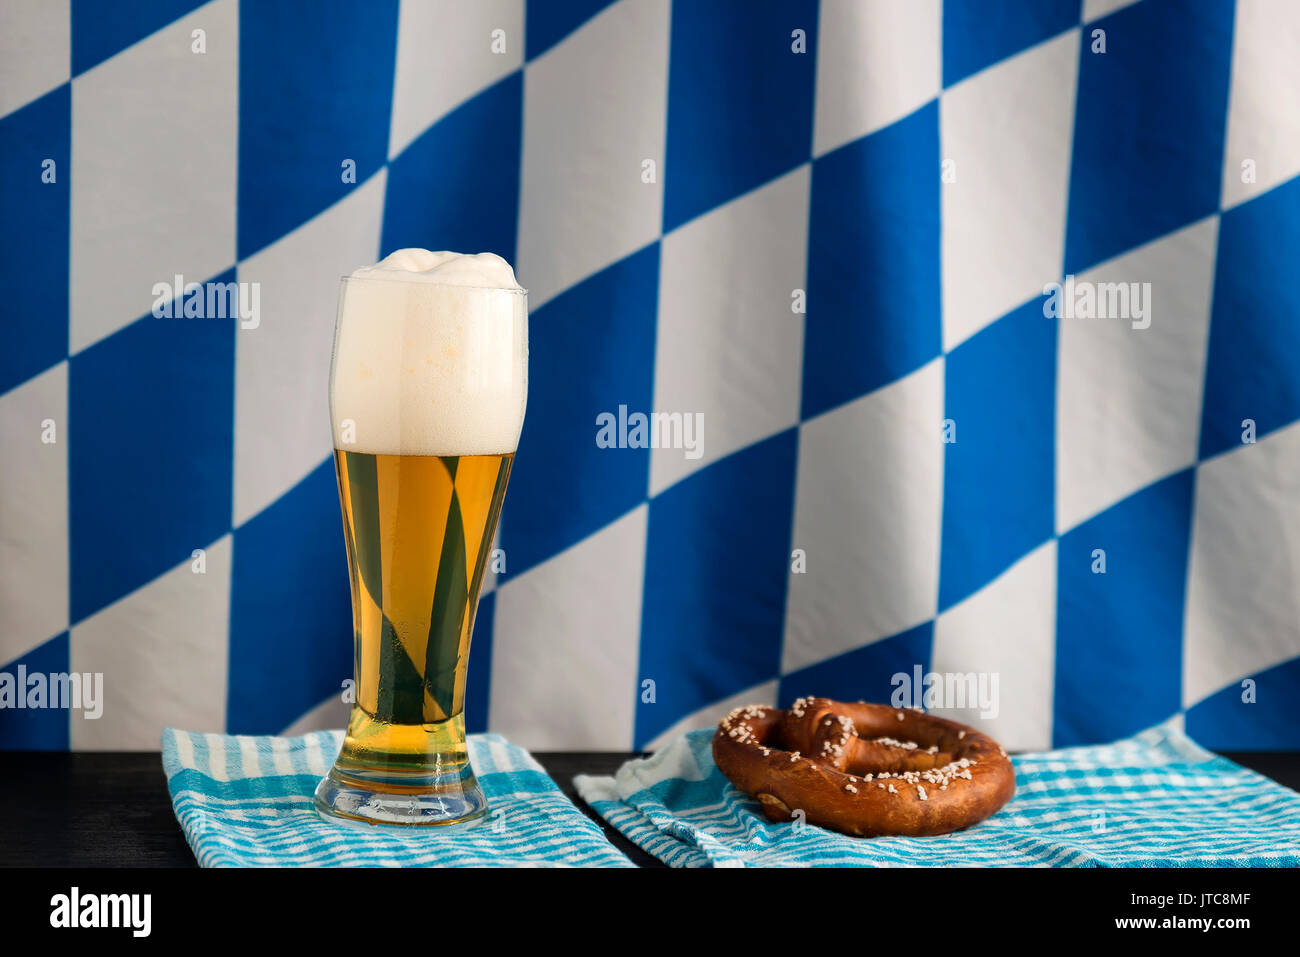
column 989, row 310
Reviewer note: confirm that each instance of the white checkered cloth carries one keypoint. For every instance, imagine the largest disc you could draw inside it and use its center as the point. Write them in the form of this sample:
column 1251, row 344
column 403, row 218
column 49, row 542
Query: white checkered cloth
column 1153, row 800
column 246, row 801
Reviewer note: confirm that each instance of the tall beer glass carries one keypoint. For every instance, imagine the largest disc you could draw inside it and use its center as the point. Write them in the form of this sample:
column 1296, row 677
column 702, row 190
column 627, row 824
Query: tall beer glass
column 427, row 394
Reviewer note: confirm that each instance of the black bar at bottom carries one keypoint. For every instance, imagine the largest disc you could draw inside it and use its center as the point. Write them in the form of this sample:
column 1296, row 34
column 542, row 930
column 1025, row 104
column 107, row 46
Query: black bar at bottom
column 377, row 909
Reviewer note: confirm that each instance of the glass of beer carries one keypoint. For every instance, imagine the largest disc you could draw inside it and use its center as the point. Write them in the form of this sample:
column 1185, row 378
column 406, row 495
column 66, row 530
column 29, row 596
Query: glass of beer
column 427, row 393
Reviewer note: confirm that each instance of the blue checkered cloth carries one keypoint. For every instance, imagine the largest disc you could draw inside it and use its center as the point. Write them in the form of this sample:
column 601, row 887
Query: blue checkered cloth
column 247, row 801
column 1157, row 799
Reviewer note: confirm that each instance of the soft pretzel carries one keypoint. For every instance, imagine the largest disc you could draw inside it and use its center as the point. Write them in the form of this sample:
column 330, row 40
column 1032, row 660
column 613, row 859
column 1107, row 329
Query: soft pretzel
column 864, row 769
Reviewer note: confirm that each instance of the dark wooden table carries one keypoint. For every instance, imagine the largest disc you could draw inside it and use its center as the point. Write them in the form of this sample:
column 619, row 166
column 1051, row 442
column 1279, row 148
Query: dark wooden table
column 111, row 809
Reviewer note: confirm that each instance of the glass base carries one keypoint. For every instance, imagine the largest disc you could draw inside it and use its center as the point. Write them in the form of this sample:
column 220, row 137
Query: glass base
column 394, row 798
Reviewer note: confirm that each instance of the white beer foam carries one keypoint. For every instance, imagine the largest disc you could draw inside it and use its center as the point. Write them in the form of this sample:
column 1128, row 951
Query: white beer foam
column 485, row 270
column 430, row 356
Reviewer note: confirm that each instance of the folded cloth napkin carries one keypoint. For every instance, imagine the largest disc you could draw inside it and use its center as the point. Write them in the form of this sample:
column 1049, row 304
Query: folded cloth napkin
column 1154, row 800
column 247, row 801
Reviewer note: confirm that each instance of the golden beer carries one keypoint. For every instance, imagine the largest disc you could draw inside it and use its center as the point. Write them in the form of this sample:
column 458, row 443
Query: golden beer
column 419, row 531
column 427, row 394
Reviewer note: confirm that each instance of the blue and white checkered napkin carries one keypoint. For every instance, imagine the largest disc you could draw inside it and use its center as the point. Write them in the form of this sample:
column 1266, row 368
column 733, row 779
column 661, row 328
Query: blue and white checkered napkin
column 247, row 801
column 1156, row 799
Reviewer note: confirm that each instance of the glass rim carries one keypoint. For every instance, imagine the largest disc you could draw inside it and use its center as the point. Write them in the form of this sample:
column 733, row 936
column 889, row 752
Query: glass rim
column 515, row 290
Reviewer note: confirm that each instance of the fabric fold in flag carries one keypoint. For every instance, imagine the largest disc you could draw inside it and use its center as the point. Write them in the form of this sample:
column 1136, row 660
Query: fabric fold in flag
column 1156, row 799
column 247, row 801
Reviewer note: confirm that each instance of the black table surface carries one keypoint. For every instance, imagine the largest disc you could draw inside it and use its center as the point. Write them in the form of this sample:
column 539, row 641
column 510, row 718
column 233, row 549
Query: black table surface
column 112, row 809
